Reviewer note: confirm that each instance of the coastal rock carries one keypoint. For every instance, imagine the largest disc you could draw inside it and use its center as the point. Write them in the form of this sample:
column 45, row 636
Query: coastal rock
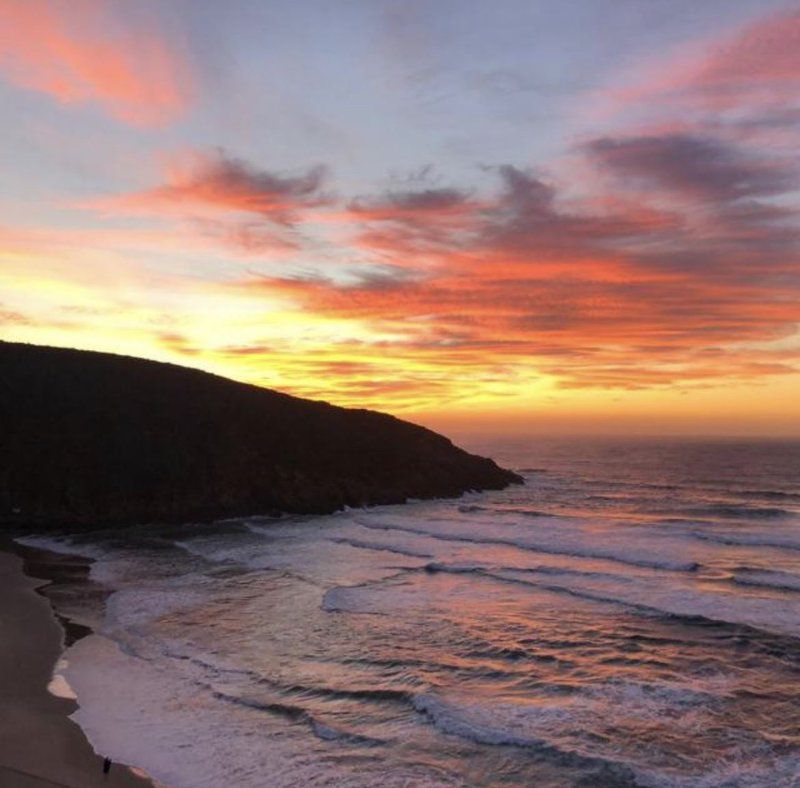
column 90, row 439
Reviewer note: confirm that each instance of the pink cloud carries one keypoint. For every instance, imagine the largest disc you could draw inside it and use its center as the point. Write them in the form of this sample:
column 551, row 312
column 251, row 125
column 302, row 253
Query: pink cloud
column 754, row 69
column 762, row 60
column 95, row 52
column 231, row 185
column 246, row 208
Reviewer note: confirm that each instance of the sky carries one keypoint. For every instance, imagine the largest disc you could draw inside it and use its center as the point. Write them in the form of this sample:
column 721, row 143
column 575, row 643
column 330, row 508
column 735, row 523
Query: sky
column 573, row 216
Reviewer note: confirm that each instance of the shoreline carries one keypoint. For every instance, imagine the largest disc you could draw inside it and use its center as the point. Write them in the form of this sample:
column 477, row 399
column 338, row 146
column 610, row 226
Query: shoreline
column 40, row 746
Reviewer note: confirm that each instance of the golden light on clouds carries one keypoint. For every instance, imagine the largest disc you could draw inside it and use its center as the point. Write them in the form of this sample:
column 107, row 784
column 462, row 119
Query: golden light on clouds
column 650, row 274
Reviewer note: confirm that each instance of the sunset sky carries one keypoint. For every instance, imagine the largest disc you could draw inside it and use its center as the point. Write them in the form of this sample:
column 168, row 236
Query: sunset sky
column 564, row 215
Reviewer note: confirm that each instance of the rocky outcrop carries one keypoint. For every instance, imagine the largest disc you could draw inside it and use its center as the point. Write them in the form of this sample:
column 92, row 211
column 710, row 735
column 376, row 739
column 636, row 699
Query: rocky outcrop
column 88, row 439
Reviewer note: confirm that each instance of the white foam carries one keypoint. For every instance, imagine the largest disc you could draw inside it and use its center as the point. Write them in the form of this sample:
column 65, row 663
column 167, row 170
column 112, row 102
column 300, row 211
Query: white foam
column 131, row 608
column 254, row 616
column 63, row 545
column 576, row 538
column 503, row 723
column 679, row 597
column 154, row 715
column 135, row 712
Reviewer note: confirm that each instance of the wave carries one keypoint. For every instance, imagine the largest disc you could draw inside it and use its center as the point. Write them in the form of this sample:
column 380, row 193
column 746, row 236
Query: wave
column 449, row 720
column 745, row 540
column 776, row 495
column 766, row 578
column 489, row 571
column 339, row 598
column 781, row 771
column 733, row 511
column 295, row 713
column 327, row 733
column 682, row 521
column 472, row 508
column 288, row 711
column 670, row 609
column 484, row 727
column 380, row 547
column 537, row 547
column 375, row 694
column 65, row 545
column 687, row 605
column 528, row 512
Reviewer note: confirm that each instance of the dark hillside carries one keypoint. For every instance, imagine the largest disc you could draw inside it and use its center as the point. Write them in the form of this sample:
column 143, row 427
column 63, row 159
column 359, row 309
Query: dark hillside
column 91, row 438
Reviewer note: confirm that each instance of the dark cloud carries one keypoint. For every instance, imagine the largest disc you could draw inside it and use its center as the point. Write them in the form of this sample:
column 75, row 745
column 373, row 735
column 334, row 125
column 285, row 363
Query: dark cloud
column 230, row 201
column 233, row 184
column 692, row 166
column 405, row 205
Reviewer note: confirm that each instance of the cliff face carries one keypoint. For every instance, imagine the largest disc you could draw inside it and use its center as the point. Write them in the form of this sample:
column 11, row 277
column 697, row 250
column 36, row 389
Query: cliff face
column 88, row 439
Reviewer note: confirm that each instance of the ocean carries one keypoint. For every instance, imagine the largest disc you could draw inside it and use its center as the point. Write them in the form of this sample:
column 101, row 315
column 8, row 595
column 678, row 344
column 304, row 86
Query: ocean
column 628, row 617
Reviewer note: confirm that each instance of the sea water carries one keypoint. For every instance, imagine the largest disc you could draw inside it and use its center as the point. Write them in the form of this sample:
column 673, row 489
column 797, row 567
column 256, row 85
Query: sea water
column 629, row 616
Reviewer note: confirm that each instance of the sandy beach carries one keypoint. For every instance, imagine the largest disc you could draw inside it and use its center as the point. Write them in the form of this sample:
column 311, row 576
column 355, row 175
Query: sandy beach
column 39, row 745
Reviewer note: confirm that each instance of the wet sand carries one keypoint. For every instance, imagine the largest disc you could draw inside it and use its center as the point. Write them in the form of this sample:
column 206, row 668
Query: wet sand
column 39, row 745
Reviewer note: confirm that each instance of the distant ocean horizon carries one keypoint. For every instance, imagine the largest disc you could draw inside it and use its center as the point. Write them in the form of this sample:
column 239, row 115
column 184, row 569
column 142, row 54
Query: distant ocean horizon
column 628, row 617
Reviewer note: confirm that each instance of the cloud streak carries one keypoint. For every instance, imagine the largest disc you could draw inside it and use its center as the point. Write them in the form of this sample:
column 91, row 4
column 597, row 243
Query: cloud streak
column 751, row 69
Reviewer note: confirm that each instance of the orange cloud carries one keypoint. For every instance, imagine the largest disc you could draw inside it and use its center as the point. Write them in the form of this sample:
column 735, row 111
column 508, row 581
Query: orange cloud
column 95, row 51
column 599, row 297
column 244, row 207
column 683, row 258
column 226, row 184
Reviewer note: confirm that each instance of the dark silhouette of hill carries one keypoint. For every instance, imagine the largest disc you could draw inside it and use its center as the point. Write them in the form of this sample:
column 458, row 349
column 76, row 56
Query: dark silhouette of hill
column 88, row 439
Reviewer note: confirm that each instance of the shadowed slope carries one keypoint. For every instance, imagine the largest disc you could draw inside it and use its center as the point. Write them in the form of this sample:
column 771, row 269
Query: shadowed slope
column 90, row 438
